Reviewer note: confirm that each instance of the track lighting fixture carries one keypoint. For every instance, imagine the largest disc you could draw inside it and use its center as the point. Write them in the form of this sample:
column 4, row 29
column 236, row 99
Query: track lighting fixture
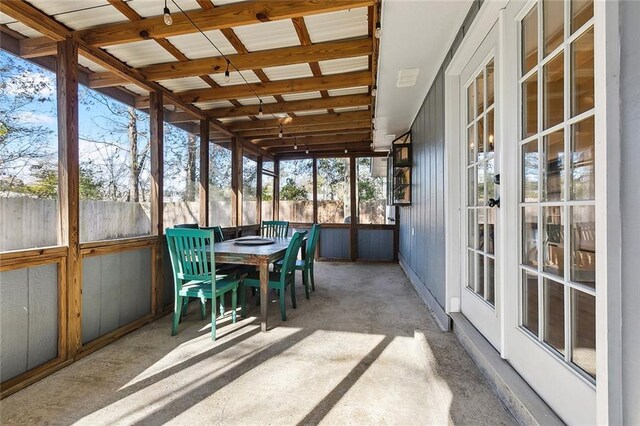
column 168, row 20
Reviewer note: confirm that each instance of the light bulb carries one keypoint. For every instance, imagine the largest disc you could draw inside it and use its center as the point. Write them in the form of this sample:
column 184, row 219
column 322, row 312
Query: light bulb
column 307, row 151
column 260, row 109
column 280, row 134
column 295, row 146
column 346, row 151
column 378, row 31
column 168, row 20
column 227, row 75
column 374, row 92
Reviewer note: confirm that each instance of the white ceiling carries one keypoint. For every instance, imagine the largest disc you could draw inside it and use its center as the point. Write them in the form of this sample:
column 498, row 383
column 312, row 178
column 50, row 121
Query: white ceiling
column 415, row 33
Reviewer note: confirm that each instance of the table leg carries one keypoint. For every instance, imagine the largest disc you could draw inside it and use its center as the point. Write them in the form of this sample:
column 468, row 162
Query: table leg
column 264, row 293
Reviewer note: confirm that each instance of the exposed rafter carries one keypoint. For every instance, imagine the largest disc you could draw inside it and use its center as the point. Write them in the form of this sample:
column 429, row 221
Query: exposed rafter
column 314, row 140
column 309, row 120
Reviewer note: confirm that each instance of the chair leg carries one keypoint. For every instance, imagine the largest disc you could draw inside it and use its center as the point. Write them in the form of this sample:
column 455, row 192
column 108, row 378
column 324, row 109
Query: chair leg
column 305, row 281
column 293, row 294
column 185, row 306
column 234, row 304
column 222, row 305
column 283, row 312
column 203, row 308
column 177, row 312
column 313, row 280
column 213, row 317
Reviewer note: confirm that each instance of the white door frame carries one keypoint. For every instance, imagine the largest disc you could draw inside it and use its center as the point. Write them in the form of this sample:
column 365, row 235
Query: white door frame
column 608, row 222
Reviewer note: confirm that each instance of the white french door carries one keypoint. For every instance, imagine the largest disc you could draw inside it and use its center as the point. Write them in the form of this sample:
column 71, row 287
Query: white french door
column 481, row 193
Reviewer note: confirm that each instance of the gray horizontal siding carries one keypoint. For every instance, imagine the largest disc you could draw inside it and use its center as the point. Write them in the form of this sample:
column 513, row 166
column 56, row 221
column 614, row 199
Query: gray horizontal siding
column 28, row 319
column 375, row 244
column 116, row 290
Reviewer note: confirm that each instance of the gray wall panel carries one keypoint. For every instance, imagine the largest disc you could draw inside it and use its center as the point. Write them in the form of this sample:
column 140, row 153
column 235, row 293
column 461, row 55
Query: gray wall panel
column 116, row 290
column 43, row 314
column 14, row 322
column 630, row 206
column 168, row 290
column 28, row 318
column 424, row 251
column 334, row 243
column 375, row 244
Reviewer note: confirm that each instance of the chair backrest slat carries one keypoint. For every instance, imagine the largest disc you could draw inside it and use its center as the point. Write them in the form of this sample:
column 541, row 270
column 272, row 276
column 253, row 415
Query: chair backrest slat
column 312, row 243
column 274, row 229
column 290, row 256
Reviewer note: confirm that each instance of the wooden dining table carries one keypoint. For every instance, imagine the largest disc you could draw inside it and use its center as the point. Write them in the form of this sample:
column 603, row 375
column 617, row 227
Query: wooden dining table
column 260, row 256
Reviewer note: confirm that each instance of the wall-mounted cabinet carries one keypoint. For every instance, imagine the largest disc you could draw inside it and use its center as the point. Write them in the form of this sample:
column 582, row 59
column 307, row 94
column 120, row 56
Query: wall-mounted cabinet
column 399, row 171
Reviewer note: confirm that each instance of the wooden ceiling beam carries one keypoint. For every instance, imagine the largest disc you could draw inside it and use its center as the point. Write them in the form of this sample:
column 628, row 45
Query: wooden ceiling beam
column 307, row 120
column 292, row 106
column 245, row 61
column 298, row 85
column 227, row 16
column 314, row 133
column 304, row 130
column 314, row 140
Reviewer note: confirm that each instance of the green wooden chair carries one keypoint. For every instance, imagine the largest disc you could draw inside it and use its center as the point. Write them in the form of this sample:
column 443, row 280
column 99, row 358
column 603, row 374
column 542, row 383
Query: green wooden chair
column 284, row 277
column 306, row 265
column 218, row 236
column 274, row 229
column 193, row 261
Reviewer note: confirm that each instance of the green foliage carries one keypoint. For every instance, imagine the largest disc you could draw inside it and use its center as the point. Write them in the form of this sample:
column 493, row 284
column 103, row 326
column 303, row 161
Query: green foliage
column 292, row 192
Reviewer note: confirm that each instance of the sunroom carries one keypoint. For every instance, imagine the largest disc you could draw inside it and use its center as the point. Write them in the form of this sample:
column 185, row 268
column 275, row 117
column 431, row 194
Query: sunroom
column 295, row 212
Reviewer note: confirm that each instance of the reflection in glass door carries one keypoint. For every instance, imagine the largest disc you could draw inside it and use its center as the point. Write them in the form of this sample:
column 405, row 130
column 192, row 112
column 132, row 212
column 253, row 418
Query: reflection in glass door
column 557, row 181
column 481, row 188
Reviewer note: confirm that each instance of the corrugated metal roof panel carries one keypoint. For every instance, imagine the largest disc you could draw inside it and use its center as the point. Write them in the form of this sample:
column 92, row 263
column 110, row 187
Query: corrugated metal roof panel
column 58, row 7
column 301, row 96
column 268, row 35
column 5, row 19
column 147, row 8
column 223, row 2
column 196, row 46
column 87, row 17
column 337, row 25
column 136, row 89
column 213, row 104
column 348, row 109
column 230, row 119
column 312, row 112
column 235, row 78
column 255, row 101
column 140, row 53
column 182, row 84
column 348, row 91
column 24, row 30
column 287, row 72
column 343, row 65
column 90, row 64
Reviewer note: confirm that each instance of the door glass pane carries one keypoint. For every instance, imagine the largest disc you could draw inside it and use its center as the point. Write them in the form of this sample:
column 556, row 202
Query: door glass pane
column 490, row 176
column 471, row 217
column 530, row 302
column 480, row 139
column 584, row 331
column 490, row 131
column 480, row 184
column 554, row 314
column 554, row 91
column 530, row 106
column 490, row 84
column 553, row 24
column 490, row 229
column 530, row 40
column 480, row 214
column 480, row 270
column 471, row 185
column 581, row 12
column 582, row 95
column 471, row 101
column 583, row 180
column 583, row 245
column 490, row 290
column 553, row 172
column 471, row 156
column 470, row 269
column 480, row 93
column 553, row 245
column 530, row 236
column 530, row 171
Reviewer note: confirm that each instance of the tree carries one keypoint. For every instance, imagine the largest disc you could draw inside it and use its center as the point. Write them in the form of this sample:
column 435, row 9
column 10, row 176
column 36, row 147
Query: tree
column 46, row 183
column 370, row 188
column 292, row 192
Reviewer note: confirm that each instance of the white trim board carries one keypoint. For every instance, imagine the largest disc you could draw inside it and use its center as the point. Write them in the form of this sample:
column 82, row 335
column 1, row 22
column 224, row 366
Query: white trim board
column 441, row 317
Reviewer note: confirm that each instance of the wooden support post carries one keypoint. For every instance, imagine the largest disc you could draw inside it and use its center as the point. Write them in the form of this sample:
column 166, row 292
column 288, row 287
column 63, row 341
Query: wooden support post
column 204, row 172
column 69, row 192
column 236, row 183
column 259, row 190
column 315, row 190
column 353, row 174
column 157, row 222
column 276, row 189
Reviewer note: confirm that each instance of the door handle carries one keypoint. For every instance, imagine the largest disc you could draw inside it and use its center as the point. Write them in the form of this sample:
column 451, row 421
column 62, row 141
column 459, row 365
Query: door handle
column 494, row 202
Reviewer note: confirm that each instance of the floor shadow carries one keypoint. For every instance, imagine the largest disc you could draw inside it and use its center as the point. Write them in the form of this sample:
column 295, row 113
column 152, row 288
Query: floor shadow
column 328, row 402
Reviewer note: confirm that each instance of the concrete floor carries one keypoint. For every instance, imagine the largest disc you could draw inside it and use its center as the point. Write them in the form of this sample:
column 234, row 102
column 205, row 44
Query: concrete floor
column 347, row 356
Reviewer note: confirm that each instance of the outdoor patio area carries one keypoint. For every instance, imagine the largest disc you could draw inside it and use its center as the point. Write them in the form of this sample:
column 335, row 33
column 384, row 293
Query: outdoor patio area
column 350, row 354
